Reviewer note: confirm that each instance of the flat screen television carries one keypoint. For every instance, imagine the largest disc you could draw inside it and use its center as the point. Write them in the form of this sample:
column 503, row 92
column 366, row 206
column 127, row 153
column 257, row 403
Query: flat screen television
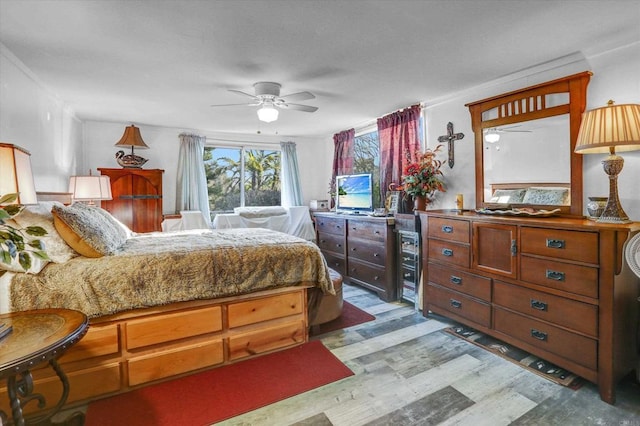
column 354, row 193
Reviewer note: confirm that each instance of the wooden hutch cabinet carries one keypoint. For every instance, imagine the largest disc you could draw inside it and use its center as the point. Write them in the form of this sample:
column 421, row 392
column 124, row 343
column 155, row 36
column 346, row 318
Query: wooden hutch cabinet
column 137, row 197
column 557, row 287
column 361, row 248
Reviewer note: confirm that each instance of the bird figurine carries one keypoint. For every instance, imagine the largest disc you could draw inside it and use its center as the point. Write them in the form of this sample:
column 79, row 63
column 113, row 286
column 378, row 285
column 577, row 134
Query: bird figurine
column 130, row 160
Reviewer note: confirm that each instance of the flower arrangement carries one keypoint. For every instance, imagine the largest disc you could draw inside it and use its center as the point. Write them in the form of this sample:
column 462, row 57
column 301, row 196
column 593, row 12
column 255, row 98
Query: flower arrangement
column 423, row 176
column 13, row 241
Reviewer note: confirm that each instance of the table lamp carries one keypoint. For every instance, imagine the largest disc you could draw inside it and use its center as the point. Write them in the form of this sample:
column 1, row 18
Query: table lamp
column 16, row 175
column 610, row 129
column 90, row 188
column 132, row 138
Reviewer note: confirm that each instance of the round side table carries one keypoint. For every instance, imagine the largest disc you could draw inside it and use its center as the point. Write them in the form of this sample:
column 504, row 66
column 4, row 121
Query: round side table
column 37, row 337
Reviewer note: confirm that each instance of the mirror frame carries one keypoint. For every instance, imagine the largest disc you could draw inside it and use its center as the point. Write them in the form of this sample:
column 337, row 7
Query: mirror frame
column 530, row 104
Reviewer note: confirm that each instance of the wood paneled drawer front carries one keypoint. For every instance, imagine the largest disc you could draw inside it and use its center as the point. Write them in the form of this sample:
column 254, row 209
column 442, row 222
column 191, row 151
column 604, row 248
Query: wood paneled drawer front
column 335, row 262
column 331, row 242
column 569, row 277
column 473, row 285
column 154, row 330
column 570, row 346
column 570, row 245
column 445, row 251
column 266, row 339
column 449, row 229
column 330, row 225
column 181, row 360
column 369, row 251
column 578, row 316
column 253, row 311
column 100, row 340
column 459, row 304
column 369, row 274
column 367, row 230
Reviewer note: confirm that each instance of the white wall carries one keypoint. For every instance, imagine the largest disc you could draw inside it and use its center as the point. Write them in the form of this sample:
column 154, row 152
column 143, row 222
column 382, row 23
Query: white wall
column 616, row 76
column 164, row 146
column 35, row 119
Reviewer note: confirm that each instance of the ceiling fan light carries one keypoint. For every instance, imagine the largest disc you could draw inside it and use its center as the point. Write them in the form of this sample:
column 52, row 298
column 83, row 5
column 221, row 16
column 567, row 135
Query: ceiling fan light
column 492, row 136
column 267, row 113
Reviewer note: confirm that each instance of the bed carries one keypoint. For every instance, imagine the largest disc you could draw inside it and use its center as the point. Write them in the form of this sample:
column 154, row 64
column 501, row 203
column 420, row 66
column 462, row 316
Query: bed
column 166, row 304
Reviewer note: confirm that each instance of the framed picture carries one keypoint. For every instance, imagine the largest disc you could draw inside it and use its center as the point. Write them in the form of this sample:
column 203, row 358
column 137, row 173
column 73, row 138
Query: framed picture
column 392, row 201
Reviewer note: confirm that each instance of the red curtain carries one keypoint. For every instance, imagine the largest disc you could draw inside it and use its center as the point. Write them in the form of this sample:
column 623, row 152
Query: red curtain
column 343, row 152
column 399, row 134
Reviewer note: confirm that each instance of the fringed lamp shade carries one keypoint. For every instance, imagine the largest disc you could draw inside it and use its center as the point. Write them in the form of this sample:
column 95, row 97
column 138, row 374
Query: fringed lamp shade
column 16, row 175
column 607, row 130
column 90, row 188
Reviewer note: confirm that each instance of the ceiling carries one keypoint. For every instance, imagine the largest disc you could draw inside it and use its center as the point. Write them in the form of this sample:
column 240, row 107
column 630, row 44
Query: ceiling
column 165, row 62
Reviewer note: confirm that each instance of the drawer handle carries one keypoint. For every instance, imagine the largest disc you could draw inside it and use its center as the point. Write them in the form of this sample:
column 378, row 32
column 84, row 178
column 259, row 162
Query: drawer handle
column 455, row 303
column 353, row 249
column 323, row 241
column 536, row 304
column 338, row 226
column 338, row 245
column 455, row 280
column 556, row 244
column 406, row 258
column 555, row 275
column 514, row 248
column 376, row 278
column 376, row 255
column 538, row 335
column 447, row 229
column 447, row 252
column 354, row 228
column 376, row 232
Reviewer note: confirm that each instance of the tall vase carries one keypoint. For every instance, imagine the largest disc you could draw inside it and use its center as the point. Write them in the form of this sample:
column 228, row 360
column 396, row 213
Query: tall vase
column 419, row 203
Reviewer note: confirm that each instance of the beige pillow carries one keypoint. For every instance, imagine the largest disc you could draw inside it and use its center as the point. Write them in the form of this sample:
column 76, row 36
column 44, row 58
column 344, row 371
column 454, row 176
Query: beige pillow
column 40, row 215
column 88, row 230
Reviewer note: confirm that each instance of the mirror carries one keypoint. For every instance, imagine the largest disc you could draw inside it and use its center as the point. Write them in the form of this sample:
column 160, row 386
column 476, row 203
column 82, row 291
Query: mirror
column 532, row 152
column 533, row 163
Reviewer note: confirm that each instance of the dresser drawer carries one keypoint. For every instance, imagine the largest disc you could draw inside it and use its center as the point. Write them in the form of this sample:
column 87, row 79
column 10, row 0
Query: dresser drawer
column 449, row 229
column 458, row 304
column 569, row 277
column 473, row 285
column 570, row 346
column 374, row 275
column 569, row 245
column 578, row 316
column 369, row 251
column 331, row 242
column 336, row 263
column 331, row 225
column 449, row 252
column 374, row 231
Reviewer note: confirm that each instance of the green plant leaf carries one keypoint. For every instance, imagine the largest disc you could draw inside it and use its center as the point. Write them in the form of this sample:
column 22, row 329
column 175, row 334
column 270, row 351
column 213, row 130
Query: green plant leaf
column 8, row 198
column 25, row 260
column 6, row 256
column 12, row 209
column 36, row 244
column 36, row 231
column 3, row 214
column 41, row 255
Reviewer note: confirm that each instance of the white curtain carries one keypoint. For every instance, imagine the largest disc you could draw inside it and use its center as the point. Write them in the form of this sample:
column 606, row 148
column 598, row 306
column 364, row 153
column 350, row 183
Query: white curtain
column 291, row 190
column 191, row 191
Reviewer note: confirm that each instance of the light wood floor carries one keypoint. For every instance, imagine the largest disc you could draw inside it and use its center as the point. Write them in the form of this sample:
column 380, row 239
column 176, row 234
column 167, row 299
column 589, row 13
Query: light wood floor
column 409, row 372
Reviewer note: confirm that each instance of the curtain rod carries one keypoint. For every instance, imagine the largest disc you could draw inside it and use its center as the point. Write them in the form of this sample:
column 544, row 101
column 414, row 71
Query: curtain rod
column 242, row 142
column 371, row 123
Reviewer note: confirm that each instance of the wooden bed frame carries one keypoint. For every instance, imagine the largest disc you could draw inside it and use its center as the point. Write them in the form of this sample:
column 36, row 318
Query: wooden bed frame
column 132, row 349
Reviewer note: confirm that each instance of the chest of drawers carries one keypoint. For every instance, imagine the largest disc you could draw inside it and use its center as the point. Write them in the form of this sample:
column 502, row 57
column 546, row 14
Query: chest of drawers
column 556, row 287
column 362, row 249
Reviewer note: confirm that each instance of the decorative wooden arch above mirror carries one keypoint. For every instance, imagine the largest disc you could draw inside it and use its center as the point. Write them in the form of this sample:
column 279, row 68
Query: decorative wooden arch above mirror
column 566, row 95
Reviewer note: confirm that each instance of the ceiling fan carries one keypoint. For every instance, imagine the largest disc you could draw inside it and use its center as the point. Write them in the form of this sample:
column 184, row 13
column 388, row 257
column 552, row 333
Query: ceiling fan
column 492, row 135
column 267, row 96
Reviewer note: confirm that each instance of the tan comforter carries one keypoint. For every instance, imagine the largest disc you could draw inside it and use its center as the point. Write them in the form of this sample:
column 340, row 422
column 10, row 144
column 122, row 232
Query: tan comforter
column 160, row 268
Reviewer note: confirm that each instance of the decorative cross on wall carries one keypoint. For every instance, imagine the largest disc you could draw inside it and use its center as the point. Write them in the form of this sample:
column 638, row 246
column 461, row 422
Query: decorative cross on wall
column 450, row 137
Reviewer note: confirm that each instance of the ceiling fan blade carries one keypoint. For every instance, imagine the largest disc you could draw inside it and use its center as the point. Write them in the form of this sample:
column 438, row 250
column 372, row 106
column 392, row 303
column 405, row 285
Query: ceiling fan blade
column 297, row 107
column 240, row 92
column 300, row 96
column 245, row 104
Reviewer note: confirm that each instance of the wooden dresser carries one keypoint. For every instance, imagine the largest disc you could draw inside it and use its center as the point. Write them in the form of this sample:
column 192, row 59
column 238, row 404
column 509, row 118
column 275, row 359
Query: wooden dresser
column 137, row 198
column 556, row 287
column 361, row 248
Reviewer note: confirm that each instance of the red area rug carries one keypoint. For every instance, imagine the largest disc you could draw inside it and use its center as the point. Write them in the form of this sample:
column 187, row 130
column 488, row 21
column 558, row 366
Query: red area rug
column 224, row 392
column 351, row 315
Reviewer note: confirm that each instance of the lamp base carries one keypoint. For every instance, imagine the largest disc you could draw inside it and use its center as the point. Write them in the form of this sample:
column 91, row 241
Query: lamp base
column 613, row 211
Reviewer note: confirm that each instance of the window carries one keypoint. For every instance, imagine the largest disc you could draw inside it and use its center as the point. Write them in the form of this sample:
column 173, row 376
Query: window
column 241, row 176
column 367, row 160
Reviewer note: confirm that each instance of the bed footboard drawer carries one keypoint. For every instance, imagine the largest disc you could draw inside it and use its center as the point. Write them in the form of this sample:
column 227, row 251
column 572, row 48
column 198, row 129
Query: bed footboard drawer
column 158, row 365
column 99, row 341
column 154, row 330
column 264, row 309
column 266, row 339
